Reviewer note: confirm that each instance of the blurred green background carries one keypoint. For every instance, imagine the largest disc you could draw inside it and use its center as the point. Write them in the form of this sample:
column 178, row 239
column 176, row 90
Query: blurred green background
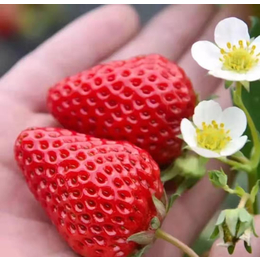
column 24, row 27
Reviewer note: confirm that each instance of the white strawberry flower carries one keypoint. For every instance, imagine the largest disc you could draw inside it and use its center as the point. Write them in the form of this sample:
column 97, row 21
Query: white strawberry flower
column 234, row 57
column 215, row 133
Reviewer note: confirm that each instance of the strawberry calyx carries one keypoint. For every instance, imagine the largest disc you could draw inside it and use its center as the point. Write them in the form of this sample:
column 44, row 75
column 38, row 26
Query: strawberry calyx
column 146, row 238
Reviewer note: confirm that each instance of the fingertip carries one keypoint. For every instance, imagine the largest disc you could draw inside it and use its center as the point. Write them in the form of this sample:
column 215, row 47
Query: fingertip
column 125, row 18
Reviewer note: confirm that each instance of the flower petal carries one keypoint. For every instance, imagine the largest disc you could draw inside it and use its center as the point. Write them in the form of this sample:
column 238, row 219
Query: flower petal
column 206, row 111
column 256, row 42
column 234, row 120
column 234, row 146
column 206, row 54
column 205, row 152
column 253, row 74
column 231, row 30
column 188, row 132
column 228, row 75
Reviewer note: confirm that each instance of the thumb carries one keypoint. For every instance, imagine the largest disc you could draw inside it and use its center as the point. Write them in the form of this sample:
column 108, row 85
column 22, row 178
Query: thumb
column 240, row 251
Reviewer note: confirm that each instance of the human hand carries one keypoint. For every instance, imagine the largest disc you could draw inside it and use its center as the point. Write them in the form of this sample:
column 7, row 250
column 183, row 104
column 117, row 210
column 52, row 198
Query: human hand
column 109, row 32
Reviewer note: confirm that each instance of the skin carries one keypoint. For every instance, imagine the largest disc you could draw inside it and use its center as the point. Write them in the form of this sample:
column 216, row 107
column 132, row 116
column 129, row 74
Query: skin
column 25, row 229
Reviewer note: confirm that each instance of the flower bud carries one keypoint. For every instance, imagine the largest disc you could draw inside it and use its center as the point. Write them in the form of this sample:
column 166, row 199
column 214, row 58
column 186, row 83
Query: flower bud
column 234, row 225
column 218, row 178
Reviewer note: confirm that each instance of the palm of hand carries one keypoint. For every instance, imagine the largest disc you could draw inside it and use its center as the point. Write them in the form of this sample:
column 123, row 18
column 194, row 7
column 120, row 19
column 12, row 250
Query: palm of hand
column 25, row 229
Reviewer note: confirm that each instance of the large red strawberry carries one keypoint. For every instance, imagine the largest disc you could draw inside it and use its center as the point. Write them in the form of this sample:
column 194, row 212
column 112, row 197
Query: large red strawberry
column 97, row 192
column 142, row 100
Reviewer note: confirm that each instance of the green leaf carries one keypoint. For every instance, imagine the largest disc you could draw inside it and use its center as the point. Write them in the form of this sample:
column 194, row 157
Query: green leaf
column 255, row 26
column 169, row 174
column 182, row 188
column 172, row 199
column 254, row 191
column 246, row 85
column 155, row 223
column 142, row 238
column 161, row 210
column 228, row 84
column 141, row 251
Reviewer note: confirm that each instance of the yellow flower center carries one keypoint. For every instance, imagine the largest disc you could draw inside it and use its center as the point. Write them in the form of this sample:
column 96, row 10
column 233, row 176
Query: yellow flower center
column 213, row 136
column 239, row 59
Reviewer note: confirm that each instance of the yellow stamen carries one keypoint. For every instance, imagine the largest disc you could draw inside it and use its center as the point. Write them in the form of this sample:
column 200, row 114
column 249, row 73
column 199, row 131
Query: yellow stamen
column 213, row 136
column 240, row 59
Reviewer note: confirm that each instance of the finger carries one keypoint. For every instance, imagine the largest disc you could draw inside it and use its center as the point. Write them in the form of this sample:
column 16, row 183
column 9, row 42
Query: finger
column 80, row 45
column 170, row 32
column 203, row 83
column 240, row 251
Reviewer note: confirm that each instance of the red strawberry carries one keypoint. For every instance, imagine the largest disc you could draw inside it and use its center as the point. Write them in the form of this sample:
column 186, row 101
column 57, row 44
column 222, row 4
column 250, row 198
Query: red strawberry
column 9, row 19
column 142, row 100
column 96, row 192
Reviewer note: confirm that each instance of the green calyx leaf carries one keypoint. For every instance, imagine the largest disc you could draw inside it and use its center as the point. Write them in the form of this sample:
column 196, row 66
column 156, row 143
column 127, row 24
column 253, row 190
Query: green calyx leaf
column 188, row 166
column 248, row 247
column 221, row 218
column 254, row 191
column 246, row 85
column 186, row 184
column 231, row 220
column 215, row 233
column 180, row 136
column 239, row 191
column 142, row 238
column 228, row 84
column 160, row 208
column 155, row 223
column 212, row 97
column 141, row 252
column 218, row 178
column 231, row 249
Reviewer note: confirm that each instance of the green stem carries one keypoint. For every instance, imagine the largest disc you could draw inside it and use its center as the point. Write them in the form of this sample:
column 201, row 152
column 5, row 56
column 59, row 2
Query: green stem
column 228, row 189
column 255, row 155
column 235, row 164
column 176, row 242
column 252, row 179
column 242, row 160
column 243, row 201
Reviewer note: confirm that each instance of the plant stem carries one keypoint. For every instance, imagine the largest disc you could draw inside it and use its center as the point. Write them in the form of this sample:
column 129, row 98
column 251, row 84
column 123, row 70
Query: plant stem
column 235, row 164
column 252, row 179
column 239, row 102
column 228, row 189
column 174, row 241
column 243, row 201
column 255, row 155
